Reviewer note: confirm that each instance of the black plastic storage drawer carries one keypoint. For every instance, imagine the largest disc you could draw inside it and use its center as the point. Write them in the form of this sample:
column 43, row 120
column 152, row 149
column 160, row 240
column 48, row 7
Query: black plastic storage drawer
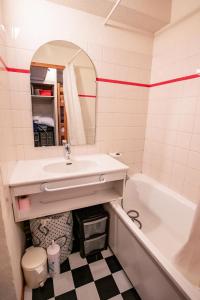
column 93, row 245
column 91, row 229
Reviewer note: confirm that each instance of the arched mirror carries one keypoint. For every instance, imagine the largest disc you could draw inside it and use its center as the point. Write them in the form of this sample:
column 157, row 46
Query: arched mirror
column 63, row 95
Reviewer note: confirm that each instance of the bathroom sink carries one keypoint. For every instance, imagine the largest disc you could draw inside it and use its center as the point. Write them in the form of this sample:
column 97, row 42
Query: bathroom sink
column 75, row 166
column 55, row 168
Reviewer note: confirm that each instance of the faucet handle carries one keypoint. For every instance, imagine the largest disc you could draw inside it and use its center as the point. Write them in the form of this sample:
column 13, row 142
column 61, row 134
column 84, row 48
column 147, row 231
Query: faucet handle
column 66, row 146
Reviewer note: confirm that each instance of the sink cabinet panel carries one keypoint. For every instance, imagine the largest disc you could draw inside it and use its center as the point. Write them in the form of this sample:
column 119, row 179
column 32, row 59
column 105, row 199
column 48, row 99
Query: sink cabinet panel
column 68, row 194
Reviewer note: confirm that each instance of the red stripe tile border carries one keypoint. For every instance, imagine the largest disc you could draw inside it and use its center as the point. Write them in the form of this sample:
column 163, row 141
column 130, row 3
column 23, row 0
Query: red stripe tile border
column 99, row 79
column 122, row 82
column 8, row 69
column 18, row 70
column 87, row 96
column 183, row 78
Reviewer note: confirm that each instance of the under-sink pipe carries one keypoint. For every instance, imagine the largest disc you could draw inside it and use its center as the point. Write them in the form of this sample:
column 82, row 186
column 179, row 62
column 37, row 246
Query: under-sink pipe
column 112, row 11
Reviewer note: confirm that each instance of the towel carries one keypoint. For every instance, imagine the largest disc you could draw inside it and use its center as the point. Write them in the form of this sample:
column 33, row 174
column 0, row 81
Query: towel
column 44, row 120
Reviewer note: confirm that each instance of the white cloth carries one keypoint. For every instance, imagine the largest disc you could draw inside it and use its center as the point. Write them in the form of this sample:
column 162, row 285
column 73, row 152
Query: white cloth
column 73, row 108
column 188, row 258
column 44, row 120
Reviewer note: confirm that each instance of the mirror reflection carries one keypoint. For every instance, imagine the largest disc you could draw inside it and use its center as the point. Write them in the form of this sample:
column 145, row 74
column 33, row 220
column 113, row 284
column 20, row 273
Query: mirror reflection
column 63, row 95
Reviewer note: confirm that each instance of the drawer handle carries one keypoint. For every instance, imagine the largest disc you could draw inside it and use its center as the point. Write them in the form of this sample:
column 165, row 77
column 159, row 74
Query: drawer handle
column 45, row 188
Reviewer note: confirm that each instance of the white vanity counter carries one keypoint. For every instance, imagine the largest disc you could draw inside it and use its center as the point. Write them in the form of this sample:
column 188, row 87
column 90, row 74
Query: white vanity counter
column 54, row 187
column 32, row 171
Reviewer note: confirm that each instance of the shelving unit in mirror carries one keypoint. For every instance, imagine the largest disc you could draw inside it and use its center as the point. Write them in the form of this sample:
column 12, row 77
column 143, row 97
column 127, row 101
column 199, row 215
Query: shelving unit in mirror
column 62, row 116
column 44, row 112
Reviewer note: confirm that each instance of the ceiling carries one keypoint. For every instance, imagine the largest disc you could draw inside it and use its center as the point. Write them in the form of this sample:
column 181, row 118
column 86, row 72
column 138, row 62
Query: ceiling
column 146, row 15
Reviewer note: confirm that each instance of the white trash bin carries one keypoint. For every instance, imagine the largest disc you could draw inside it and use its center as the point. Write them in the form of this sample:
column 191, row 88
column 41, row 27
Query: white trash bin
column 34, row 265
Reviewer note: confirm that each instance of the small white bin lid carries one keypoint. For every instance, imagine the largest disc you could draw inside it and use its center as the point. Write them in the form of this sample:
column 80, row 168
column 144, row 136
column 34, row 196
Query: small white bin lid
column 34, row 258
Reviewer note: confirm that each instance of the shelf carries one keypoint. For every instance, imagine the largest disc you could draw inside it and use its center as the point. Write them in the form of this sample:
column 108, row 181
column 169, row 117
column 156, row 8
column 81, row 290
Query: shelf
column 42, row 83
column 61, row 116
column 40, row 208
column 40, row 96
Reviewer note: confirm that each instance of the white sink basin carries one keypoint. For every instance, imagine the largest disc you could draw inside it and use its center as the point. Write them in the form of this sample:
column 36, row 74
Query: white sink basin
column 75, row 166
column 49, row 169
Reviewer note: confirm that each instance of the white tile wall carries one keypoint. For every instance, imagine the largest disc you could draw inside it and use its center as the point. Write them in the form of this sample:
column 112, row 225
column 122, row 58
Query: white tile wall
column 11, row 245
column 172, row 132
column 121, row 110
column 131, row 62
column 172, row 142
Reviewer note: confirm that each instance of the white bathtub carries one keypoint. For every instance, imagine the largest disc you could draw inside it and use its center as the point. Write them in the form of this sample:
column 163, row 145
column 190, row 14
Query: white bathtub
column 147, row 254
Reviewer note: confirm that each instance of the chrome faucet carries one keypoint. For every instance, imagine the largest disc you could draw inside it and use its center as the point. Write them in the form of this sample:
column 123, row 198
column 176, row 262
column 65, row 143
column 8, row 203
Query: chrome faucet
column 67, row 152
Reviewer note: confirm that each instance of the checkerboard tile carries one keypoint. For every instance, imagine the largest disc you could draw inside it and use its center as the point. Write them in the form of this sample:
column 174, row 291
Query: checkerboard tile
column 98, row 277
column 99, row 269
column 107, row 287
column 75, row 261
column 63, row 283
column 122, row 281
column 82, row 276
column 87, row 291
column 118, row 297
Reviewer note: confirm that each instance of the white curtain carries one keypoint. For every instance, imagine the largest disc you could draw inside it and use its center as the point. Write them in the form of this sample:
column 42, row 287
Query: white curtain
column 187, row 259
column 74, row 115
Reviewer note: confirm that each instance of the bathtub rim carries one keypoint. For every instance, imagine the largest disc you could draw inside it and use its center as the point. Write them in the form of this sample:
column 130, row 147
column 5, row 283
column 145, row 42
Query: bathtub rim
column 154, row 183
column 181, row 283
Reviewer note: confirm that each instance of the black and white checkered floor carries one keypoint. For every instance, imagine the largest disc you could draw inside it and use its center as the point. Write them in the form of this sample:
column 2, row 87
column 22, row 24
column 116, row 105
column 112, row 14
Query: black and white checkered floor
column 98, row 277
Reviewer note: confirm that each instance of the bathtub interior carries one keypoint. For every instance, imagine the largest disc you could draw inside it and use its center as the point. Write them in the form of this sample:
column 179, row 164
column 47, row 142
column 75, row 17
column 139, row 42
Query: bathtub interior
column 166, row 217
column 151, row 273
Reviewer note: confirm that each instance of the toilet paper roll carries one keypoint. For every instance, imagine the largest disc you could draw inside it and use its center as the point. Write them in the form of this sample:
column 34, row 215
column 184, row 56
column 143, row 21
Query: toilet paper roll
column 115, row 154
